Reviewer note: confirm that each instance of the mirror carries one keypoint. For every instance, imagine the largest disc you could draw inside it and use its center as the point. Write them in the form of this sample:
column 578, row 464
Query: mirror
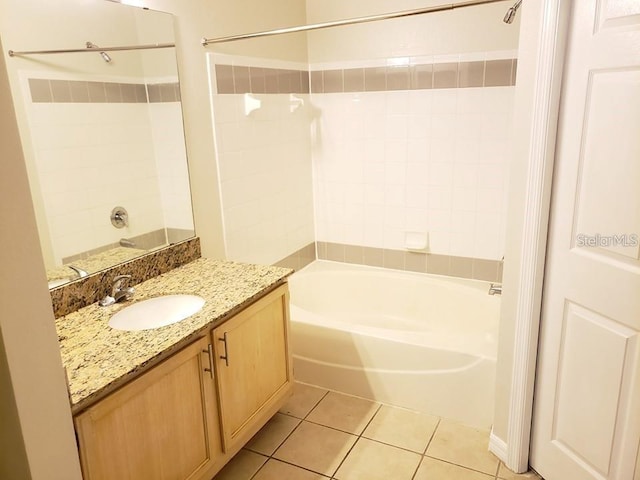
column 102, row 131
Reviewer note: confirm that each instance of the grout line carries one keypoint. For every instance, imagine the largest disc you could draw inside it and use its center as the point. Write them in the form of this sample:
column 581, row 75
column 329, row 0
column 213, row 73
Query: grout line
column 457, row 465
column 371, row 420
column 417, row 467
column 357, row 440
column 298, row 466
column 424, row 452
column 269, row 457
column 316, row 404
column 334, row 428
column 433, row 434
column 345, row 457
column 261, row 466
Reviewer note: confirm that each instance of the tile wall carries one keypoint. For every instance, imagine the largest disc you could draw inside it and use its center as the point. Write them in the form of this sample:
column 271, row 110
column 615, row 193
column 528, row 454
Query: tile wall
column 171, row 161
column 402, row 149
column 101, row 144
column 263, row 145
column 414, row 148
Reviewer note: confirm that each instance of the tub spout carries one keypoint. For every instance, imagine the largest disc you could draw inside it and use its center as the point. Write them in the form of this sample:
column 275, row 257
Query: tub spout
column 495, row 289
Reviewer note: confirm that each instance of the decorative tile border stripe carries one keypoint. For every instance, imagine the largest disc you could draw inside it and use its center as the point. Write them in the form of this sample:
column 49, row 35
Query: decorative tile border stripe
column 463, row 267
column 242, row 79
column 163, row 92
column 300, row 258
column 78, row 91
column 484, row 73
column 73, row 296
column 489, row 73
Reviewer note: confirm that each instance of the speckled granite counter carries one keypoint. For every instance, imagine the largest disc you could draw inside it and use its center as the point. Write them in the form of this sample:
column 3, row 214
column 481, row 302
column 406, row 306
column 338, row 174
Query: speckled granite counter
column 98, row 359
column 95, row 263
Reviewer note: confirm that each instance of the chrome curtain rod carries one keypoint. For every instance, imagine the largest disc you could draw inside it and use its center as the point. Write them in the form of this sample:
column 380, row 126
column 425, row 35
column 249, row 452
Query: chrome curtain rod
column 13, row 53
column 351, row 21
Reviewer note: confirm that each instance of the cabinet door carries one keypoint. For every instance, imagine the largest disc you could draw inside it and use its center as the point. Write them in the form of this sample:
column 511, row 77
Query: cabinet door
column 160, row 426
column 253, row 366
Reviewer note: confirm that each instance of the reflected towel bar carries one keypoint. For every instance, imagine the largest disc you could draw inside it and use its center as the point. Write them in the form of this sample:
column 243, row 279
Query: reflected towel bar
column 13, row 53
column 352, row 21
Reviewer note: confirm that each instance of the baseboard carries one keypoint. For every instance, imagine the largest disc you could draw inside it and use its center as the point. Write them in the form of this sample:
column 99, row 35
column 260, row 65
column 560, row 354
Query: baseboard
column 498, row 447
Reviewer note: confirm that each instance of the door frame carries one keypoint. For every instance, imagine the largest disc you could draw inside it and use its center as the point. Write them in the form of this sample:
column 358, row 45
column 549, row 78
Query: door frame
column 543, row 34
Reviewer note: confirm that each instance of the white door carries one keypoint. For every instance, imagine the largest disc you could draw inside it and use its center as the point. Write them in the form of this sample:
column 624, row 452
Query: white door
column 587, row 398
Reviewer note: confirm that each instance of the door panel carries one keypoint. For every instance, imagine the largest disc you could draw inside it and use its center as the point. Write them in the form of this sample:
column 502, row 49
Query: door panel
column 609, row 196
column 584, row 333
column 587, row 399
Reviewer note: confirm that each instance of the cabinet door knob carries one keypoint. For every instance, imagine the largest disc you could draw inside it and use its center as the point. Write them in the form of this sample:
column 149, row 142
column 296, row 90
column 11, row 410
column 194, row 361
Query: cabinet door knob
column 209, row 351
column 225, row 357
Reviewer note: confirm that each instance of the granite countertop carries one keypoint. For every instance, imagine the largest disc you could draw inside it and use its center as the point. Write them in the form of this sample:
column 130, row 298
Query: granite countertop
column 98, row 359
column 95, row 263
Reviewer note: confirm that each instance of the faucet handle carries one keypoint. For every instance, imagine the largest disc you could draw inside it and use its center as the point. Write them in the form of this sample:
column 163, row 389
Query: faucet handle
column 118, row 280
column 117, row 283
column 117, row 292
column 80, row 272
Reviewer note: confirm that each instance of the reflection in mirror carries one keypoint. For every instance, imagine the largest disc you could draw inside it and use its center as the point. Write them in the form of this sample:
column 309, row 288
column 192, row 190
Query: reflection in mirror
column 102, row 132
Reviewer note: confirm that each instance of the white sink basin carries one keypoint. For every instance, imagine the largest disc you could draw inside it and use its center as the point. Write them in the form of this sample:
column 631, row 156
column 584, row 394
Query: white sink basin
column 156, row 312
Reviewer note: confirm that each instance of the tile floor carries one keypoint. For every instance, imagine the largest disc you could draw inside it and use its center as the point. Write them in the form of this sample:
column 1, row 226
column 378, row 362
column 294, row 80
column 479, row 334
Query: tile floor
column 320, row 434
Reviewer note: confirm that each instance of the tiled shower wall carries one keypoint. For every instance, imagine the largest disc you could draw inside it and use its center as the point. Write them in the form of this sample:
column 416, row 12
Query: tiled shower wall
column 102, row 144
column 414, row 152
column 262, row 113
column 403, row 151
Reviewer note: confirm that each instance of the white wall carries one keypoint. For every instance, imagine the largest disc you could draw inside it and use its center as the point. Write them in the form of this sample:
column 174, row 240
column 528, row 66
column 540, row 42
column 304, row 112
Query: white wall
column 475, row 29
column 36, row 439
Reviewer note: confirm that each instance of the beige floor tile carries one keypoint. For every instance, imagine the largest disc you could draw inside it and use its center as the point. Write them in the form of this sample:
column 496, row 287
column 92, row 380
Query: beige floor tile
column 344, row 412
column 505, row 474
column 431, row 469
column 316, row 448
column 276, row 470
column 463, row 445
column 304, row 398
column 371, row 460
column 271, row 436
column 241, row 467
column 402, row 428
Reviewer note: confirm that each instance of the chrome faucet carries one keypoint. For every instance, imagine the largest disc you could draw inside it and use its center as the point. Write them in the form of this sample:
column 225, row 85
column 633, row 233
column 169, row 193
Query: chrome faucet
column 118, row 293
column 495, row 289
column 80, row 272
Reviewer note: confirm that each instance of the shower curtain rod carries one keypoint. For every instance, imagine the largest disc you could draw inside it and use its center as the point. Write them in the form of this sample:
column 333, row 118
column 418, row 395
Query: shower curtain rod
column 92, row 50
column 351, row 21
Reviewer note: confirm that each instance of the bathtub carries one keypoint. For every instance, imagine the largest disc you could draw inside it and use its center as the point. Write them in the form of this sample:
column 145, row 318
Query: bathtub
column 423, row 342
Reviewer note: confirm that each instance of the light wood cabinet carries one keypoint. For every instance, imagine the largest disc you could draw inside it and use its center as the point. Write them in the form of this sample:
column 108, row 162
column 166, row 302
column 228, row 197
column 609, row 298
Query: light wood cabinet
column 253, row 367
column 186, row 417
column 162, row 425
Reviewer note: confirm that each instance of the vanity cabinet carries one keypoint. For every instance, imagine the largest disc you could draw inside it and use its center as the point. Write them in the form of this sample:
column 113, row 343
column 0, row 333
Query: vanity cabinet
column 186, row 417
column 162, row 425
column 253, row 367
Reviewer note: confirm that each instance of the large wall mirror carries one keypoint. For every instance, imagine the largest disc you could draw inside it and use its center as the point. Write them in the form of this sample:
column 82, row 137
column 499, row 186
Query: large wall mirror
column 102, row 131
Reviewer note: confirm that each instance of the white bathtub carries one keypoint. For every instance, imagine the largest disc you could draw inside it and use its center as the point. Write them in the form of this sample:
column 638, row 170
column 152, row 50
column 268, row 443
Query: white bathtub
column 423, row 342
